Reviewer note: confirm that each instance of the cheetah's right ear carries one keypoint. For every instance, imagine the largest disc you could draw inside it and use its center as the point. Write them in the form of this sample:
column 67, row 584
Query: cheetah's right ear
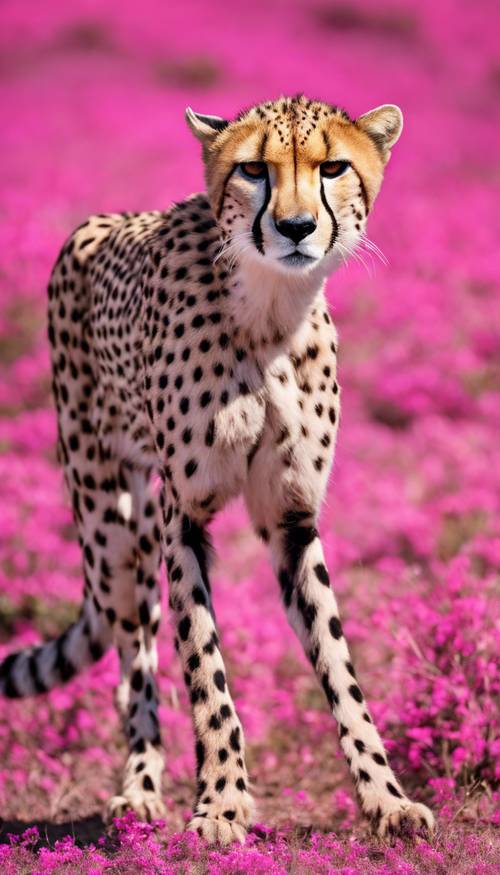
column 383, row 125
column 205, row 127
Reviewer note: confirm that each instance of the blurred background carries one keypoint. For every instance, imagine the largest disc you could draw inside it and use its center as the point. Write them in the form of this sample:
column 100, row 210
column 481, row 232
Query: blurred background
column 93, row 96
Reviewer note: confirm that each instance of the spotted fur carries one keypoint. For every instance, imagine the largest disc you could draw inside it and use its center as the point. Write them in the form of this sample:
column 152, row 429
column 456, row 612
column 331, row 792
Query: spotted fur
column 197, row 343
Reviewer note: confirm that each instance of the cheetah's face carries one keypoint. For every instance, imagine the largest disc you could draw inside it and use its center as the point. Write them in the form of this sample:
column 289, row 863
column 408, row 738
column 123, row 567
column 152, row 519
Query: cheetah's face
column 291, row 183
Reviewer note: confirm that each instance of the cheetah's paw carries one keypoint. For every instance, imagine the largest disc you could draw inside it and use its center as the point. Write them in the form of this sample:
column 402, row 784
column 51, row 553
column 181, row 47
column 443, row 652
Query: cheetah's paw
column 224, row 820
column 147, row 807
column 408, row 816
column 217, row 830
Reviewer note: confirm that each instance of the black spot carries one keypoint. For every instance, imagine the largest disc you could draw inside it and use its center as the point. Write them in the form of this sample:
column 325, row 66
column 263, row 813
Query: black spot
column 364, row 776
column 139, row 746
column 190, row 467
column 219, row 680
column 297, row 537
column 148, row 784
column 183, row 628
column 335, row 627
column 145, row 545
column 89, row 556
column 65, row 668
column 359, row 745
column 96, row 652
column 330, row 693
column 137, row 680
column 220, row 784
column 111, row 616
column 198, row 595
column 198, row 694
column 193, row 662
column 212, row 644
column 225, row 712
column 234, row 739
column 176, row 574
column 206, row 278
column 33, row 669
column 393, row 790
column 379, row 759
column 356, row 692
column 195, row 537
column 286, row 585
column 322, row 574
column 308, row 611
column 200, row 755
column 210, row 433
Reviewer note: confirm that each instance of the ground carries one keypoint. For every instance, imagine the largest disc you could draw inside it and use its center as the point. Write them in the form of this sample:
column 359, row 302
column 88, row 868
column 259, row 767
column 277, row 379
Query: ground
column 93, row 97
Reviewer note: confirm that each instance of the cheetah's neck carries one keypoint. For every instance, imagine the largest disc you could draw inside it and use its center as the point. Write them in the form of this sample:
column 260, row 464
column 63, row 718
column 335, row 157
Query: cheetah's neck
column 270, row 307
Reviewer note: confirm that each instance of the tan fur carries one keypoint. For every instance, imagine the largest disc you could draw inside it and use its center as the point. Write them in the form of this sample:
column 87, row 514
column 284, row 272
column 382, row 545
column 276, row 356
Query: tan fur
column 197, row 342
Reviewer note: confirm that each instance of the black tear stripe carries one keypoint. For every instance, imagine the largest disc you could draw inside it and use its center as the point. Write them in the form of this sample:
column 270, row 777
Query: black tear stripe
column 324, row 201
column 256, row 229
column 364, row 193
column 329, row 210
column 223, row 195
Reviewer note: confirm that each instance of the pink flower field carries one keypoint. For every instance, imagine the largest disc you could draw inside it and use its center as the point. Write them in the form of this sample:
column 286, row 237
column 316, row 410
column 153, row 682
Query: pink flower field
column 92, row 98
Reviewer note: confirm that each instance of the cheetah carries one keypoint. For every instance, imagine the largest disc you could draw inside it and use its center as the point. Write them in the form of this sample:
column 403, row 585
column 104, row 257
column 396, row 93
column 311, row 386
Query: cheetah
column 195, row 344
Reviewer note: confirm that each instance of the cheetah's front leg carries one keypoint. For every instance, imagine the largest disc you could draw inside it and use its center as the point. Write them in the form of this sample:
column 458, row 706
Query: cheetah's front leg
column 224, row 807
column 312, row 610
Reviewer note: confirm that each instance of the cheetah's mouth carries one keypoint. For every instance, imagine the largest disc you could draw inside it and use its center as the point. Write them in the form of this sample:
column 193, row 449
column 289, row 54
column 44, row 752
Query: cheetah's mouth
column 297, row 258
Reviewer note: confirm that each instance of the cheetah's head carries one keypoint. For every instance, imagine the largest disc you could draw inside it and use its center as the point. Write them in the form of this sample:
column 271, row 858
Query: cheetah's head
column 291, row 182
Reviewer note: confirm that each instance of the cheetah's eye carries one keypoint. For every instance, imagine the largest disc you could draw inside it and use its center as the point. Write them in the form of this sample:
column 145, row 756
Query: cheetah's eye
column 254, row 169
column 332, row 169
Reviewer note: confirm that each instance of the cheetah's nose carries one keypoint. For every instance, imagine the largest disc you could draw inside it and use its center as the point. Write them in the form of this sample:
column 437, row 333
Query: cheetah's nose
column 297, row 227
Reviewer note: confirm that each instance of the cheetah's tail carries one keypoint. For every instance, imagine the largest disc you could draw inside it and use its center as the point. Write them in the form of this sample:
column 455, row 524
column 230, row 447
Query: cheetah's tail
column 38, row 669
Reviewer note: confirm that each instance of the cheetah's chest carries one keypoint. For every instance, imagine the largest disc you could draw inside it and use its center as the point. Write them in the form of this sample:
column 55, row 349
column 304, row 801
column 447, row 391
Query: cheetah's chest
column 208, row 449
column 239, row 424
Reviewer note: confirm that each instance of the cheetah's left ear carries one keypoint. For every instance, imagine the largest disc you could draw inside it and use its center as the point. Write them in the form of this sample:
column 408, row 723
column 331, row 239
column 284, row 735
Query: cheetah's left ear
column 383, row 125
column 205, row 127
